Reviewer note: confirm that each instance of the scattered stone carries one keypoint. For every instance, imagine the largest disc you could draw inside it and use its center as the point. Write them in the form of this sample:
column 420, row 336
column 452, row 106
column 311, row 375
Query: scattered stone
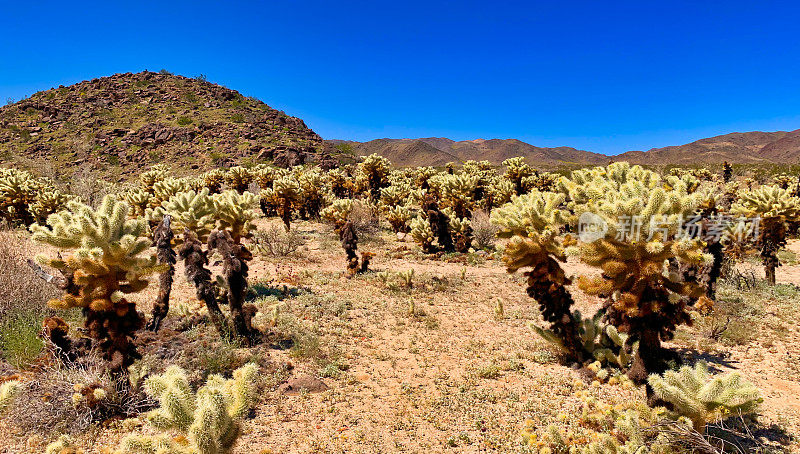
column 302, row 383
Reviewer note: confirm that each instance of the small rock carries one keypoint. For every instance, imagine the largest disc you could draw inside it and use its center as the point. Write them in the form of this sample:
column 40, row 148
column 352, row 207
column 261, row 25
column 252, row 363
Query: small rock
column 301, row 383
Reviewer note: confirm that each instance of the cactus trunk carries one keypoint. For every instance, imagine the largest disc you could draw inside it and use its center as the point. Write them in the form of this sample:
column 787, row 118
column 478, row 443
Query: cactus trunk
column 162, row 239
column 234, row 268
column 195, row 260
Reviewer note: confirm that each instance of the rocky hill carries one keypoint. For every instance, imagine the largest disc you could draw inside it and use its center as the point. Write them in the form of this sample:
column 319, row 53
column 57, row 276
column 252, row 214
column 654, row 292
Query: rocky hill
column 119, row 124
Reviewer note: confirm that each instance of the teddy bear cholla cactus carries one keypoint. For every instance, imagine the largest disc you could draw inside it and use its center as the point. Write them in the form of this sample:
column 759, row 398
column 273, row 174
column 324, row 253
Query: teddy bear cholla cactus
column 398, row 218
column 27, row 199
column 184, row 212
column 48, row 201
column 63, row 445
column 643, row 218
column 457, row 192
column 233, row 213
column 8, row 392
column 18, row 190
column 516, row 171
column 339, row 183
column 193, row 215
column 312, row 192
column 532, row 221
column 139, row 200
column 460, row 230
column 209, row 420
column 702, row 398
column 148, row 179
column 373, row 175
column 168, row 187
column 108, row 261
column 239, row 178
column 189, row 210
column 337, row 214
column 775, row 207
column 283, row 198
column 213, row 180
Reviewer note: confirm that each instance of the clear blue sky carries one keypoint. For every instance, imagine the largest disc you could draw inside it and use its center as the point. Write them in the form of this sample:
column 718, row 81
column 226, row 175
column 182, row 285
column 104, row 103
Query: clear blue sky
column 597, row 75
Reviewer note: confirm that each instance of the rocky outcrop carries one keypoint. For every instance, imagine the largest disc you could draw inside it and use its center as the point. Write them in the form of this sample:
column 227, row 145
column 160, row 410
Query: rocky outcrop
column 129, row 121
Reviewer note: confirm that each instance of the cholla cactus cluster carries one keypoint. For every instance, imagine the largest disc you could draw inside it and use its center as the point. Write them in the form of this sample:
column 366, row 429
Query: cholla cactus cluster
column 239, row 179
column 775, row 207
column 25, row 199
column 601, row 427
column 648, row 282
column 235, row 213
column 208, row 420
column 642, row 298
column 643, row 301
column 107, row 260
column 283, row 199
column 63, row 445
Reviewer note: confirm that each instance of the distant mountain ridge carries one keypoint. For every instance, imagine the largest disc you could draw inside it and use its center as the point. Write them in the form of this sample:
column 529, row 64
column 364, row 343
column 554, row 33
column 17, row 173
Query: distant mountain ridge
column 437, row 151
column 780, row 147
column 121, row 124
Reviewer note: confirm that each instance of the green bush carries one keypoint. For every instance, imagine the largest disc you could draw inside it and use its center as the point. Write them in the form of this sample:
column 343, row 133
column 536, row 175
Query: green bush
column 19, row 338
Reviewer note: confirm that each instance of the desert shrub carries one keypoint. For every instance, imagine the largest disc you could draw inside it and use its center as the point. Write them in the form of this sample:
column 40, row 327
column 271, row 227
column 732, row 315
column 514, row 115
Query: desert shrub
column 21, row 290
column 90, row 187
column 365, row 219
column 277, row 242
column 22, row 298
column 483, row 231
column 51, row 404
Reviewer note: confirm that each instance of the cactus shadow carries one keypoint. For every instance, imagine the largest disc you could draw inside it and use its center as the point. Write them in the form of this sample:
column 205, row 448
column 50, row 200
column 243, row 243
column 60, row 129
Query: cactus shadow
column 746, row 434
column 265, row 290
column 715, row 361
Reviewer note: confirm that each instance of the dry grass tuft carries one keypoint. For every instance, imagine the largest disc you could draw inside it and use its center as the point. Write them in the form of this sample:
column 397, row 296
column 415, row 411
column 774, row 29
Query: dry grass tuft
column 45, row 404
column 483, row 231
